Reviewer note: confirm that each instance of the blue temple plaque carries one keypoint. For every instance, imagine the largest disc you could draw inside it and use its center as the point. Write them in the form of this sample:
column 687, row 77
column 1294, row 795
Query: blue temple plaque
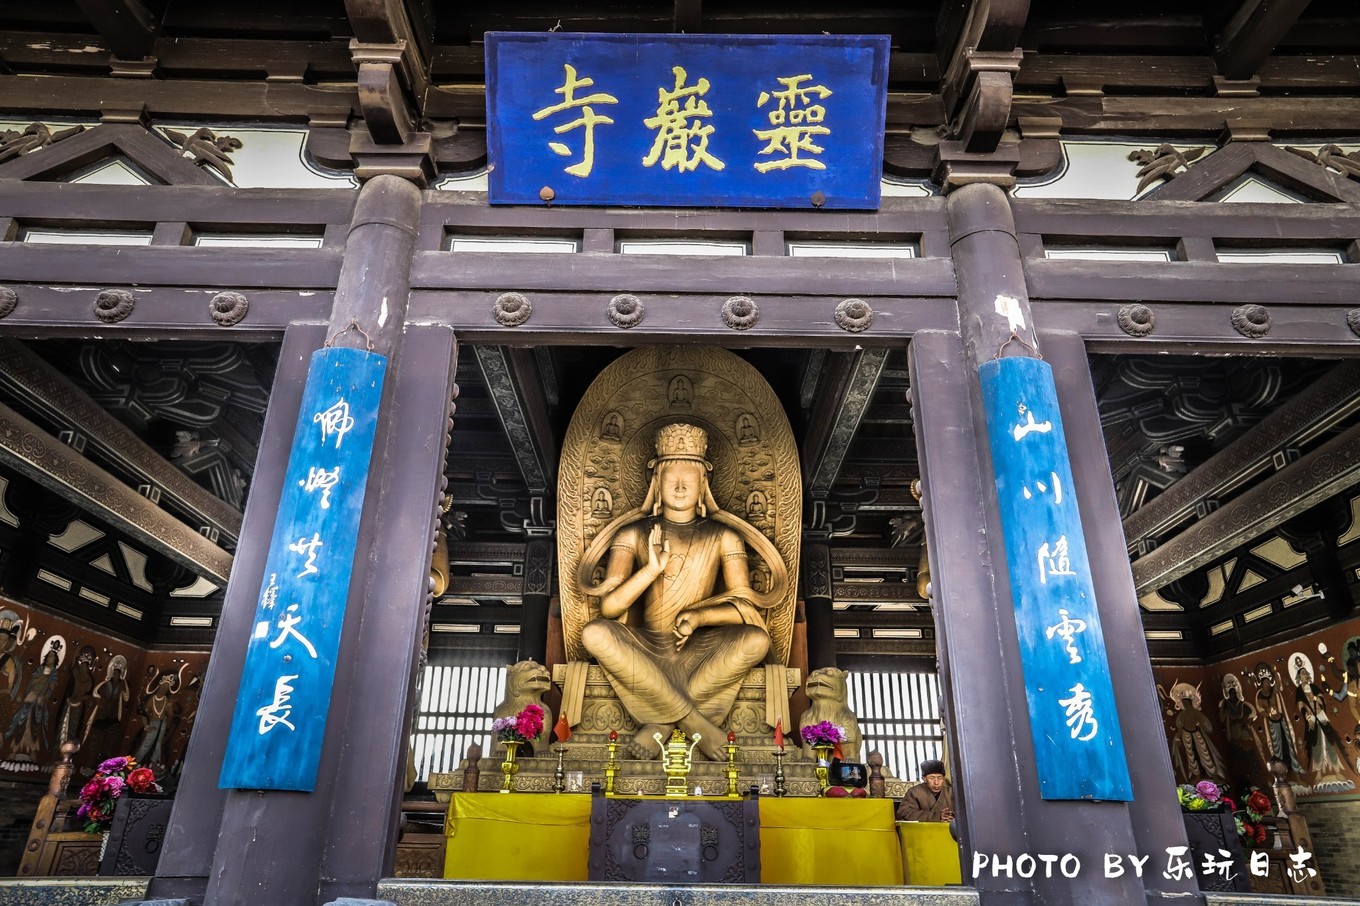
column 284, row 697
column 1078, row 745
column 775, row 121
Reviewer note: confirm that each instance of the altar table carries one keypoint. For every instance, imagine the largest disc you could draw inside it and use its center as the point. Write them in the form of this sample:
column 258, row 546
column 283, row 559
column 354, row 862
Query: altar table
column 542, row 837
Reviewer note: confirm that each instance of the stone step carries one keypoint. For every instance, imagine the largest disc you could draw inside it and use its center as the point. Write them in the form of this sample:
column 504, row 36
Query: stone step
column 502, row 893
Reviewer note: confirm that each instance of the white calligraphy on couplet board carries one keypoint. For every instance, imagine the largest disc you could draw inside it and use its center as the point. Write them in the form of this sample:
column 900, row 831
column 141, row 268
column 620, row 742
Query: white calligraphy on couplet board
column 1074, row 724
column 290, row 660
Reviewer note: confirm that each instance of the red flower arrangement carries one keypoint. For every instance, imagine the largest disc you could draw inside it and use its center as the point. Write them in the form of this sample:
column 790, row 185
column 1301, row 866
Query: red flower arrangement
column 1251, row 821
column 112, row 778
column 524, row 727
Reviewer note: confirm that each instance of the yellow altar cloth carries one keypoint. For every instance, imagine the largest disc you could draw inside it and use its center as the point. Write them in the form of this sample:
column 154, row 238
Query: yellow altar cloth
column 517, row 837
column 930, row 857
column 829, row 842
column 537, row 837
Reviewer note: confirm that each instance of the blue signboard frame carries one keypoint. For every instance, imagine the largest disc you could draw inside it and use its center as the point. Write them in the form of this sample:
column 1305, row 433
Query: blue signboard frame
column 1078, row 742
column 284, row 696
column 764, row 121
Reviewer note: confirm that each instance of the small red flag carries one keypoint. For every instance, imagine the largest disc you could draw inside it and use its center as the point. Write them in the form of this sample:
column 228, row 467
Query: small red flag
column 563, row 729
column 837, row 753
column 779, row 733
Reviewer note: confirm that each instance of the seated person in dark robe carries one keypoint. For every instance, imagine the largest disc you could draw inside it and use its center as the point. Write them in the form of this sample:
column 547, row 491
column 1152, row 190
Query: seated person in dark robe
column 931, row 799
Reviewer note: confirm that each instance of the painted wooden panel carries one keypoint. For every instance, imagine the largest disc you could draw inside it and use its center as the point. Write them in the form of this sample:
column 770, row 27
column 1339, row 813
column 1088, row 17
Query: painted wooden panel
column 686, row 120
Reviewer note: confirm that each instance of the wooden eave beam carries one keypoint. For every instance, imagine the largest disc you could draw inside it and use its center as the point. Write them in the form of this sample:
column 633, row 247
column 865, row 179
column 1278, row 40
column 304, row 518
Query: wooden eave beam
column 393, row 59
column 47, row 96
column 1330, row 469
column 43, row 388
column 41, row 457
column 128, row 27
column 689, row 15
column 1332, row 398
column 979, row 65
column 1252, row 32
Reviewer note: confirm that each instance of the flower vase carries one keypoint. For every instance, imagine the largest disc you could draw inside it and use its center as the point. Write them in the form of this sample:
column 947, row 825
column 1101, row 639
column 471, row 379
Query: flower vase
column 823, row 770
column 509, row 767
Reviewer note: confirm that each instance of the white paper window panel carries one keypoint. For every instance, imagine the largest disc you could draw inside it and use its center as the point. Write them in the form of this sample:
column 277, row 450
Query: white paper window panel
column 246, row 240
column 1062, row 254
column 1282, row 256
column 41, row 236
column 841, row 250
column 512, row 246
column 679, row 247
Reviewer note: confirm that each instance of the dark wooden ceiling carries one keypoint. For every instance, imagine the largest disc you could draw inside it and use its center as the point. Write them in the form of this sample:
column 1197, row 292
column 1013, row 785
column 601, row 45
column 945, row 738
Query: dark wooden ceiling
column 1185, row 69
column 200, row 406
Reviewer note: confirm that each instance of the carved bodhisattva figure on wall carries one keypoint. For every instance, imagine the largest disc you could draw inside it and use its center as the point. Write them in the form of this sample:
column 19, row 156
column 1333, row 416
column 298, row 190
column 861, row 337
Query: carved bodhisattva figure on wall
column 663, row 597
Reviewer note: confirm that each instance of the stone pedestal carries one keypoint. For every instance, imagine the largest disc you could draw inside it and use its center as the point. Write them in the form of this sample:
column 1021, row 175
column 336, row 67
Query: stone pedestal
column 587, row 751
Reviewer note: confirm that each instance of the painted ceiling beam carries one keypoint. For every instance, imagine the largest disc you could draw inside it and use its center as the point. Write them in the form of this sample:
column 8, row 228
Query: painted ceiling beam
column 512, row 383
column 39, row 456
column 1330, row 469
column 1252, row 32
column 128, row 27
column 1332, row 398
column 41, row 387
column 848, row 389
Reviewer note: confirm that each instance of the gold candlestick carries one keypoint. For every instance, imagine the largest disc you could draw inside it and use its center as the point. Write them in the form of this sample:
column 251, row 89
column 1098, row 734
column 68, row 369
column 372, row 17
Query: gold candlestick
column 731, row 748
column 611, row 768
column 560, row 775
column 779, row 789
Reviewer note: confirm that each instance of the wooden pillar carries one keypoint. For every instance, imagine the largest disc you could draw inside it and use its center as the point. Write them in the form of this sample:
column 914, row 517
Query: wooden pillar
column 1154, row 814
column 195, row 823
column 533, row 627
column 303, row 849
column 1001, row 812
column 821, row 632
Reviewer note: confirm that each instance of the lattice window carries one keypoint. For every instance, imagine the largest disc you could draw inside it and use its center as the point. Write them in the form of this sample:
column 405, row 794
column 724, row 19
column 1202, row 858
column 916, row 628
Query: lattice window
column 455, row 711
column 899, row 715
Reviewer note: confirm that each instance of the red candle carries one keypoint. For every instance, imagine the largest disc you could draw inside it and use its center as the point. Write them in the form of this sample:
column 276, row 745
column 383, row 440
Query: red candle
column 731, row 736
column 613, row 735
column 779, row 733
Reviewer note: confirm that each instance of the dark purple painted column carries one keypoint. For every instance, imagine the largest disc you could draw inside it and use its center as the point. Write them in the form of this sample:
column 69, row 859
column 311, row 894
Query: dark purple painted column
column 1001, row 812
column 303, row 849
column 191, row 839
column 817, row 605
column 1154, row 812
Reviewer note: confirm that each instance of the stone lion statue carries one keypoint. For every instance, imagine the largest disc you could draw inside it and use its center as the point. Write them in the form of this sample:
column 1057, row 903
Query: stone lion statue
column 525, row 683
column 826, row 688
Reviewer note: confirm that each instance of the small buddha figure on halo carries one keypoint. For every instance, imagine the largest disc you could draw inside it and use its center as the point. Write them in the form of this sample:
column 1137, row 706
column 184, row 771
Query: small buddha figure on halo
column 680, row 624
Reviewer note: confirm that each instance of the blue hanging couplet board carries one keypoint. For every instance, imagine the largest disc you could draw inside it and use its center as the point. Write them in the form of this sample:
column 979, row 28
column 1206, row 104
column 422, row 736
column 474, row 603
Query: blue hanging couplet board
column 768, row 121
column 281, row 707
column 1078, row 746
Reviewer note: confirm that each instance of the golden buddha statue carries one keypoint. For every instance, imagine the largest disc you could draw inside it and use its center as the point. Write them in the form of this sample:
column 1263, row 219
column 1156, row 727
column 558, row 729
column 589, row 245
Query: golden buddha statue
column 674, row 645
column 679, row 520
